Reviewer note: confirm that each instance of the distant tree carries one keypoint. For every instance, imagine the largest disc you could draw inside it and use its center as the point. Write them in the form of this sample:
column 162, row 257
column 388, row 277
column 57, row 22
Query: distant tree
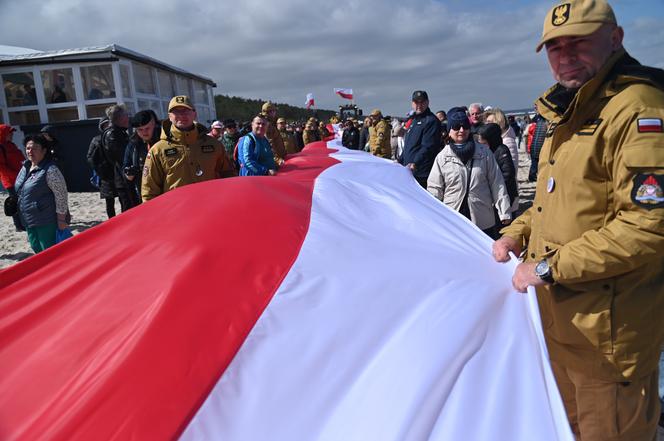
column 243, row 109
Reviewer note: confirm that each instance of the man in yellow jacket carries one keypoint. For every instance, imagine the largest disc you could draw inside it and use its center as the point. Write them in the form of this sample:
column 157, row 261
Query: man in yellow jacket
column 269, row 110
column 184, row 155
column 287, row 138
column 379, row 137
column 593, row 240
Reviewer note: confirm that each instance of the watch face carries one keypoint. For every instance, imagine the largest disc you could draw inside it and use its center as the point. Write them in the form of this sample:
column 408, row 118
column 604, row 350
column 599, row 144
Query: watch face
column 542, row 268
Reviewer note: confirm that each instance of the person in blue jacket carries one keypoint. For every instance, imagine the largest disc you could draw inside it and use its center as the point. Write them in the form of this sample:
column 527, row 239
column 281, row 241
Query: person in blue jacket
column 422, row 140
column 254, row 151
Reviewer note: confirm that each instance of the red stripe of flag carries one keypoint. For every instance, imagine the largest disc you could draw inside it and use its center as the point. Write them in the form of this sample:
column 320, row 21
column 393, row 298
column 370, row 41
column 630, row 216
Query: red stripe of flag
column 122, row 331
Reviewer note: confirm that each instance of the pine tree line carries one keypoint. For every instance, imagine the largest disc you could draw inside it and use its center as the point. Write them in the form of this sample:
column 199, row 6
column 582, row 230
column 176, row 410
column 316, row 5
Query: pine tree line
column 244, row 109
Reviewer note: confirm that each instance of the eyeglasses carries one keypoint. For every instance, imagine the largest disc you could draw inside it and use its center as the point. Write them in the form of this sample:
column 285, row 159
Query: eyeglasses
column 458, row 126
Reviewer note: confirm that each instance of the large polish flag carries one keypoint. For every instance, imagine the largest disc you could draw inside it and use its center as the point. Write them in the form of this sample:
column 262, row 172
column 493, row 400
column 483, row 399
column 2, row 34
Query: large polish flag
column 337, row 300
column 344, row 93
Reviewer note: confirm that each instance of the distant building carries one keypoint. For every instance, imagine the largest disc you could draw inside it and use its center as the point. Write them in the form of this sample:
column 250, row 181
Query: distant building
column 78, row 84
column 69, row 89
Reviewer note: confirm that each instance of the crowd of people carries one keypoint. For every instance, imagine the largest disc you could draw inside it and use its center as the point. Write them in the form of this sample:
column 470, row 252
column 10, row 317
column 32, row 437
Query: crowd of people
column 467, row 157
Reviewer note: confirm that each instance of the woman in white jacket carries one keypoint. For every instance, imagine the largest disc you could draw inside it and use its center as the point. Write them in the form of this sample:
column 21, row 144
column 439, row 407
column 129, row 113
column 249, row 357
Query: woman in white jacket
column 466, row 177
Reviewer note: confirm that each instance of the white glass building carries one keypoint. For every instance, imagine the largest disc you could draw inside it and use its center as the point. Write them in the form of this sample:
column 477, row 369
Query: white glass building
column 78, row 84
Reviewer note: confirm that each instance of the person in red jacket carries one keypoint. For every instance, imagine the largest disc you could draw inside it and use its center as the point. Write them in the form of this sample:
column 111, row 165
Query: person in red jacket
column 11, row 161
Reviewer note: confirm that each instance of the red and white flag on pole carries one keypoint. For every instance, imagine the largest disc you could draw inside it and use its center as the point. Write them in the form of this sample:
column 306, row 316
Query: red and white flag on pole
column 344, row 93
column 310, row 101
column 277, row 311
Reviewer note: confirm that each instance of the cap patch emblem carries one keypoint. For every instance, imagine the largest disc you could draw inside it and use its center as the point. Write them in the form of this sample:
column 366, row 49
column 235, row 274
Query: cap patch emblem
column 560, row 14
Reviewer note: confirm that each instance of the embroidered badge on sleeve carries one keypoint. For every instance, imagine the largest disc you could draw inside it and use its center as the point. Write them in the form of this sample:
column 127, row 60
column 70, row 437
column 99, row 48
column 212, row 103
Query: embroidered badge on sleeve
column 647, row 191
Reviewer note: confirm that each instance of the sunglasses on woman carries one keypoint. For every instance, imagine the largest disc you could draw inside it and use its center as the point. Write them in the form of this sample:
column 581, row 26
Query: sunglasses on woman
column 456, row 126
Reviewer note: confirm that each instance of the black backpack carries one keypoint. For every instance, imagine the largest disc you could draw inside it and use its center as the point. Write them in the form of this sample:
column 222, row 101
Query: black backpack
column 98, row 160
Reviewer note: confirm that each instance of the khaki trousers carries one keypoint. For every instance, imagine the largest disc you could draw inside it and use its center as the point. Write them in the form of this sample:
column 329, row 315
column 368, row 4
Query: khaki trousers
column 602, row 411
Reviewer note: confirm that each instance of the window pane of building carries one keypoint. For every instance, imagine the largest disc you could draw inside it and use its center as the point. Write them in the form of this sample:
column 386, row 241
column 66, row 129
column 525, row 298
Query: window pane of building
column 156, row 107
column 124, row 80
column 143, row 105
column 200, row 93
column 131, row 108
column 144, row 80
column 24, row 117
column 167, row 85
column 96, row 110
column 20, row 89
column 98, row 82
column 184, row 87
column 62, row 114
column 58, row 86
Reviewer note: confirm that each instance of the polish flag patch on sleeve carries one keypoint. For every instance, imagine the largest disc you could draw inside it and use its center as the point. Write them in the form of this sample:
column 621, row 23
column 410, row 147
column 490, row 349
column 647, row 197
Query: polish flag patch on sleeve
column 645, row 125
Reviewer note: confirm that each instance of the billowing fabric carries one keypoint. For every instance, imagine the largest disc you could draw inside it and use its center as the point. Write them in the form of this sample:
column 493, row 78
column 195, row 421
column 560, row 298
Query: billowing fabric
column 197, row 335
column 606, row 250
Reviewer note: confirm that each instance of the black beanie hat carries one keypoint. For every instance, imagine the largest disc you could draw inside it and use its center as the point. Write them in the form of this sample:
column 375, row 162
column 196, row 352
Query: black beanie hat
column 456, row 115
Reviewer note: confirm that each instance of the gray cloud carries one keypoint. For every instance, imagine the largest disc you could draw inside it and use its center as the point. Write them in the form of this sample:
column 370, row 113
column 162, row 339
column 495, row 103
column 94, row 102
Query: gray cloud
column 283, row 49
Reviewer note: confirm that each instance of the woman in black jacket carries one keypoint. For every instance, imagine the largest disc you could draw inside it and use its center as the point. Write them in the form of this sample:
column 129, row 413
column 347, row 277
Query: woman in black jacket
column 491, row 135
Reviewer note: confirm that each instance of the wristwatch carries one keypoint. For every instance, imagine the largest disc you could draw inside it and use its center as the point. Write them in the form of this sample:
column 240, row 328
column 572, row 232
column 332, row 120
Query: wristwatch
column 543, row 271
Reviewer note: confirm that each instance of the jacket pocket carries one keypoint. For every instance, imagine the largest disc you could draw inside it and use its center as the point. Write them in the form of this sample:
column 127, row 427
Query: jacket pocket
column 582, row 316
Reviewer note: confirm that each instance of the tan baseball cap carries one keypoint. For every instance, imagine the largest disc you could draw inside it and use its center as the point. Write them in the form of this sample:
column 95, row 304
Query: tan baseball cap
column 575, row 17
column 281, row 120
column 180, row 101
column 376, row 112
column 267, row 107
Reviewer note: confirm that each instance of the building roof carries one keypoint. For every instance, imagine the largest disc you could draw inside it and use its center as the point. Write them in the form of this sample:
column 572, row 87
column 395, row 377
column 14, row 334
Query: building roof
column 8, row 51
column 87, row 54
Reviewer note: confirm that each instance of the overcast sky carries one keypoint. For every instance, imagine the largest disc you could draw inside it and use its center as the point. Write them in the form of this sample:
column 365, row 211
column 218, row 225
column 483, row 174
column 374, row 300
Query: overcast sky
column 459, row 51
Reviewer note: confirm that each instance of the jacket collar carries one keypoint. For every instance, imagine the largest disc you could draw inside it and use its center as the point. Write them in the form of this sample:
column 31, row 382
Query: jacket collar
column 171, row 133
column 424, row 114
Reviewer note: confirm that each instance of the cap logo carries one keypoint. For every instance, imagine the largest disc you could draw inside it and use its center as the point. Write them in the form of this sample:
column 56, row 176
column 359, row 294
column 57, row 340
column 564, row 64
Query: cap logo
column 560, row 14
column 179, row 99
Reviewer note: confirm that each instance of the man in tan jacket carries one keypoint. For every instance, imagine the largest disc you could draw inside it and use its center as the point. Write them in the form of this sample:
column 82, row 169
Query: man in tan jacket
column 379, row 137
column 593, row 240
column 184, row 155
column 269, row 110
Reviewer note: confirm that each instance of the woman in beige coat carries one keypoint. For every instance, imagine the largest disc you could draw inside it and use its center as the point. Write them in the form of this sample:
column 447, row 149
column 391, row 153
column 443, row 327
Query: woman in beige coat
column 466, row 177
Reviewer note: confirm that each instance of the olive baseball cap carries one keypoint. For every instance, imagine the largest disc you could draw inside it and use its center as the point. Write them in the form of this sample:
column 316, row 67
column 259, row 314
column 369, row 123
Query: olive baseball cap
column 180, row 101
column 575, row 17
